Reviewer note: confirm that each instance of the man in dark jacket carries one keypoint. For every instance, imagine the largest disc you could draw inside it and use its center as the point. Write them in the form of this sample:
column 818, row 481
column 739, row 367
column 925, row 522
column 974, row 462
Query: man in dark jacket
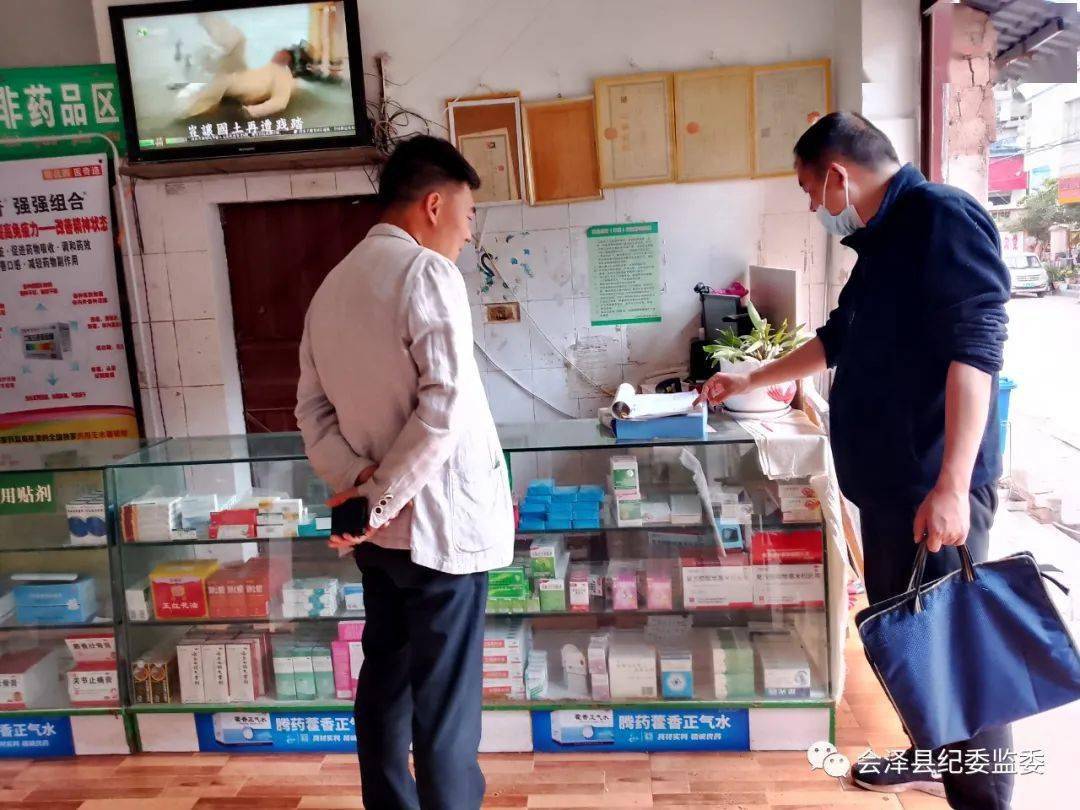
column 916, row 340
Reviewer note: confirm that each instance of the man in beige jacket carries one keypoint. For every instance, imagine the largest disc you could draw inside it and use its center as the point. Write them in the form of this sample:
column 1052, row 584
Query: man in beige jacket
column 391, row 407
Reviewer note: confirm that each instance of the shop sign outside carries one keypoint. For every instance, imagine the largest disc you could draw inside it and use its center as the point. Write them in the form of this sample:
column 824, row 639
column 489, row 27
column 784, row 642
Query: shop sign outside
column 38, row 102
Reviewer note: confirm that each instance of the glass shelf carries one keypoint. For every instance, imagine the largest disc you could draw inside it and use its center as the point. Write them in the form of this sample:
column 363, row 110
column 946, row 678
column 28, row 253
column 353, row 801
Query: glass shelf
column 69, row 456
column 587, row 434
column 97, row 623
column 198, row 450
column 68, row 547
column 226, row 622
column 763, row 526
column 226, row 542
column 564, row 702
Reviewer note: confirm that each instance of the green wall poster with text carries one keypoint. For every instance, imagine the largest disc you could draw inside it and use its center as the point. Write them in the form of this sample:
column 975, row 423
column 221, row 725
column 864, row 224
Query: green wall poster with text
column 624, row 273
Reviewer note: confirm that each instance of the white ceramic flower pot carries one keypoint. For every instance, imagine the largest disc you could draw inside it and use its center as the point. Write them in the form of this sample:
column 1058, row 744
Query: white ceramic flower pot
column 760, row 400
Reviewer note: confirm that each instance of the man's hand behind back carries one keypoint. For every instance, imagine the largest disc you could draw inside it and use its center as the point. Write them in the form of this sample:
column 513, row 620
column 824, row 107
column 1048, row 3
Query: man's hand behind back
column 344, row 542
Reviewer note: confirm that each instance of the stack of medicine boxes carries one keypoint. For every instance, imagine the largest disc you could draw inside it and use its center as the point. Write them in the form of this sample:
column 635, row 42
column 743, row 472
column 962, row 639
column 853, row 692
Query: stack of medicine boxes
column 733, row 664
column 550, row 508
column 626, row 504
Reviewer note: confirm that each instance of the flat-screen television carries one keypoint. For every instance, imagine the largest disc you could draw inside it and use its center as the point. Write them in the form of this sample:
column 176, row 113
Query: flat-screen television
column 214, row 78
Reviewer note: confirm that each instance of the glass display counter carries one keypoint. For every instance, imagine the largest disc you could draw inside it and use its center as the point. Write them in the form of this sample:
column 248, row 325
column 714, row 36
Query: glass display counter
column 664, row 595
column 60, row 683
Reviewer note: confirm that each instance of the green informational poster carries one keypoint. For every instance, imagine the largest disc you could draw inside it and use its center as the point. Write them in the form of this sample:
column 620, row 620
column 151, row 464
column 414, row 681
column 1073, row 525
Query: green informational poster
column 26, row 493
column 624, row 273
column 74, row 100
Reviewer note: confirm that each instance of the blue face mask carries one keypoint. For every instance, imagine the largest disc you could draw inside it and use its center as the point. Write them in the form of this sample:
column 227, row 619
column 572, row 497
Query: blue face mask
column 843, row 224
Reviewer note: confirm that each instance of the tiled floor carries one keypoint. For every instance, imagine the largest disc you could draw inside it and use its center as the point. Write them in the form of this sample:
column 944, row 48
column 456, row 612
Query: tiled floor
column 755, row 781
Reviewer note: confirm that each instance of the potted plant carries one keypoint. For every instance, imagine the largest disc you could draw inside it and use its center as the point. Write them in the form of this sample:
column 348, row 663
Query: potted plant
column 742, row 354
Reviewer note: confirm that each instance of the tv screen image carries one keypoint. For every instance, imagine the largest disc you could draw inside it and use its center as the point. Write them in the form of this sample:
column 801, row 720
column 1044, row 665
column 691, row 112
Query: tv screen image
column 224, row 80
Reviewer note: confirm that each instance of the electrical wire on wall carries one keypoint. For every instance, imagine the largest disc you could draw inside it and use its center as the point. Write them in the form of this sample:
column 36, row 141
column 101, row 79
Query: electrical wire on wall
column 487, row 259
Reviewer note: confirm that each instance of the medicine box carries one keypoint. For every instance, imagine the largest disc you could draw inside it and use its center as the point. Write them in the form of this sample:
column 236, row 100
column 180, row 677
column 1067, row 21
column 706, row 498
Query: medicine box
column 536, row 676
column 347, row 658
column 322, row 664
column 546, row 555
column 179, row 589
column 350, row 630
column 632, row 669
column 56, row 602
column 625, row 482
column 786, row 547
column 284, row 676
column 583, row 727
column 789, row 585
column 685, row 509
column 304, row 673
column 93, row 684
column 782, row 669
column 29, row 679
column 91, row 647
column 239, row 660
column 677, row 674
column 717, row 586
column 623, row 577
column 247, row 728
column 628, row 513
column 353, row 595
column 86, row 520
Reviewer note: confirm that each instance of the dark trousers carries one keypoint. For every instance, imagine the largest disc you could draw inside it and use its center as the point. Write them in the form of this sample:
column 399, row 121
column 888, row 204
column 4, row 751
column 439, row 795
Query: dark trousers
column 421, row 683
column 889, row 553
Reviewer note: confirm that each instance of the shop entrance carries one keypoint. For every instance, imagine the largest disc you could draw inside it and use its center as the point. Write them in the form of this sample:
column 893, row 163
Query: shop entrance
column 278, row 253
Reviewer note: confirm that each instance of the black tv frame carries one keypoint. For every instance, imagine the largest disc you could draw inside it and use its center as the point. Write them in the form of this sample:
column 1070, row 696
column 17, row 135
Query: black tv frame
column 224, row 149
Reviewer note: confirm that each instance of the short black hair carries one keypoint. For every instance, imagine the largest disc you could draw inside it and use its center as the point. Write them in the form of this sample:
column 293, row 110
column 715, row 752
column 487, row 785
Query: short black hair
column 847, row 135
column 418, row 165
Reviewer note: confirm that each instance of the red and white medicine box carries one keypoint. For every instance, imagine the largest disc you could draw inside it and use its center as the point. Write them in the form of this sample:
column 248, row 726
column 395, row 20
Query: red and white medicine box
column 93, row 684
column 782, row 548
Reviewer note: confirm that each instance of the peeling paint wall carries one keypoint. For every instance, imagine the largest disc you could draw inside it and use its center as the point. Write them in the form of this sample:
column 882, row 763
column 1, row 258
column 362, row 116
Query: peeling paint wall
column 971, row 114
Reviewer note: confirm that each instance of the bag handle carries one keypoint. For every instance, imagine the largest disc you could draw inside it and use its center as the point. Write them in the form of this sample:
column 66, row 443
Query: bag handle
column 918, row 573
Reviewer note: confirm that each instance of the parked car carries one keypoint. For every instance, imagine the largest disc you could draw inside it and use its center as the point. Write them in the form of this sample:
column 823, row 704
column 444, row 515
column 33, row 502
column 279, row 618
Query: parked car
column 1028, row 274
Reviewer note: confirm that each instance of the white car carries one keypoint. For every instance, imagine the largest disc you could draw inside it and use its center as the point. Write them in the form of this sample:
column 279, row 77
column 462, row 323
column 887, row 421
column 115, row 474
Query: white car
column 1028, row 274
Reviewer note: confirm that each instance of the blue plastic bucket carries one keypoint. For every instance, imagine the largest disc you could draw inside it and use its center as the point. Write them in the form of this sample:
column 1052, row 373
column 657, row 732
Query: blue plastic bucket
column 1005, row 389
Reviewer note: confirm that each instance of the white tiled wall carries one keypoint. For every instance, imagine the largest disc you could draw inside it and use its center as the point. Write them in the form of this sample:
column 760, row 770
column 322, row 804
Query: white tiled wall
column 190, row 386
column 710, row 233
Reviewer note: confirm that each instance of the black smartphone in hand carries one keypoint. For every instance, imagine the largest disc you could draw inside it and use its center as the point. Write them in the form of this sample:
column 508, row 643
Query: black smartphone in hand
column 350, row 517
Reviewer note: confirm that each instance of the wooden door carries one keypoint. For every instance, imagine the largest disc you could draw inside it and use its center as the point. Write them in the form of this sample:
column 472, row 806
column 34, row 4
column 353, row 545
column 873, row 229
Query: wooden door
column 278, row 254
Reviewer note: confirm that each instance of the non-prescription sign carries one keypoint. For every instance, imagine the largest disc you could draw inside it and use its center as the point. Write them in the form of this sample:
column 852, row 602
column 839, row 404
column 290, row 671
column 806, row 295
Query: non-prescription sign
column 42, row 101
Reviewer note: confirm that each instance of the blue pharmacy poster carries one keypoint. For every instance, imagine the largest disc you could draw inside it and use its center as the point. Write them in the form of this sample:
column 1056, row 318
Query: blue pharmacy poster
column 263, row 732
column 641, row 730
column 45, row 736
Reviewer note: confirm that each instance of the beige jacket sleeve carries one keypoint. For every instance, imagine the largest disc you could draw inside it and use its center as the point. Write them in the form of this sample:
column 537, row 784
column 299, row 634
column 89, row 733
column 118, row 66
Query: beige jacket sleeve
column 440, row 331
column 332, row 457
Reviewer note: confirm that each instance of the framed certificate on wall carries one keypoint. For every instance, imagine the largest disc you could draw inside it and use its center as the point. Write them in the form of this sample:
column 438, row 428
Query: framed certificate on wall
column 635, row 129
column 713, row 111
column 487, row 131
column 788, row 98
column 560, row 151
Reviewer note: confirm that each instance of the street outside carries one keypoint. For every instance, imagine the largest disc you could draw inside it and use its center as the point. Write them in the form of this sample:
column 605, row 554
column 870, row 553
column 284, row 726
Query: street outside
column 1043, row 357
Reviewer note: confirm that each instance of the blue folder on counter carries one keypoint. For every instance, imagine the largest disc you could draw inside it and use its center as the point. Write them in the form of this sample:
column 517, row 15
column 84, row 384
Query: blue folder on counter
column 686, row 426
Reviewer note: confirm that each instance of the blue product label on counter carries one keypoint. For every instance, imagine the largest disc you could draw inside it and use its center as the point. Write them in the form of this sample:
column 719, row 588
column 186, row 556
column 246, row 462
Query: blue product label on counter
column 28, row 736
column 642, row 730
column 262, row 732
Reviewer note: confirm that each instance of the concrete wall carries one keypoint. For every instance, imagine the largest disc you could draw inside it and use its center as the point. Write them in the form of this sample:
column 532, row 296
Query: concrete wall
column 971, row 113
column 710, row 232
column 47, row 32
